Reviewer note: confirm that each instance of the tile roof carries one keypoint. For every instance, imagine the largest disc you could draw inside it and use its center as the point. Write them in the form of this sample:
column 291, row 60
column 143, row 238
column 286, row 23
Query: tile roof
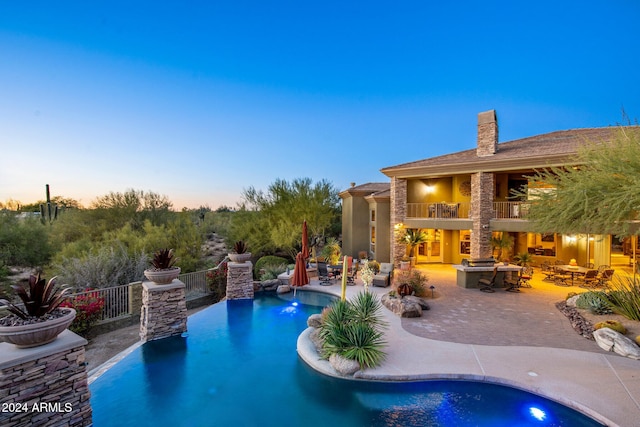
column 367, row 189
column 549, row 149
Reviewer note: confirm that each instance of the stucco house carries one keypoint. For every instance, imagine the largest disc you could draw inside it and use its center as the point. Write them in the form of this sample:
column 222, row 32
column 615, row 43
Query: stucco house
column 460, row 200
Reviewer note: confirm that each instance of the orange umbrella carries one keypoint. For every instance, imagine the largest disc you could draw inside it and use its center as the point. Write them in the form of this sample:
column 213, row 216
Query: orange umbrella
column 300, row 277
column 305, row 241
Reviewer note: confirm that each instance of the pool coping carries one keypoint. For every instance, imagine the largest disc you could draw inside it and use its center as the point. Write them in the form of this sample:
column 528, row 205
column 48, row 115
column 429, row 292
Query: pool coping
column 601, row 386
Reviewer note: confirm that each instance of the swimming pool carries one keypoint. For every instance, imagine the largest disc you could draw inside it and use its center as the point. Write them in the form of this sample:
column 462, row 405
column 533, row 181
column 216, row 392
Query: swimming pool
column 238, row 366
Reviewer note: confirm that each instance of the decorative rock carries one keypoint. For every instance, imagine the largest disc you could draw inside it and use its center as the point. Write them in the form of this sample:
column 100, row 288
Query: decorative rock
column 314, row 321
column 283, row 289
column 403, row 307
column 343, row 365
column 270, row 285
column 420, row 301
column 571, row 302
column 314, row 336
column 610, row 340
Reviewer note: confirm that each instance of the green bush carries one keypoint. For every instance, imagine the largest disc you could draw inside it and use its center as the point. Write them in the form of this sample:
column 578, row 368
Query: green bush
column 595, row 302
column 354, row 330
column 268, row 260
column 272, row 271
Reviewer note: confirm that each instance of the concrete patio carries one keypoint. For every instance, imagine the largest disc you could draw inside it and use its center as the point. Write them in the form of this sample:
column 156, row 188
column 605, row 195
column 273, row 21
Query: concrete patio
column 517, row 339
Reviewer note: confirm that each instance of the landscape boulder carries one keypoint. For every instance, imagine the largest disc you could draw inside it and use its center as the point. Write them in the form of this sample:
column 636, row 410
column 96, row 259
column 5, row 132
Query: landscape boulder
column 403, row 307
column 344, row 366
column 283, row 289
column 610, row 340
column 314, row 321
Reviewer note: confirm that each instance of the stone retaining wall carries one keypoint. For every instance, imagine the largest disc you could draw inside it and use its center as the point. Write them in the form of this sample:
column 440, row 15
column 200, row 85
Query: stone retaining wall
column 240, row 280
column 164, row 310
column 45, row 385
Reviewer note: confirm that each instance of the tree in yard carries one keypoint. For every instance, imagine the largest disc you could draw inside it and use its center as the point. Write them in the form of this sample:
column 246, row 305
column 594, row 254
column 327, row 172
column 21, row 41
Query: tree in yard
column 601, row 195
column 283, row 208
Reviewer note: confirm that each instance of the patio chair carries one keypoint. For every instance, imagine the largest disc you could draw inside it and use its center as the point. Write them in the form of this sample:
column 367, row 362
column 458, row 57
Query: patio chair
column 486, row 285
column 323, row 274
column 526, row 274
column 590, row 279
column 352, row 271
column 513, row 283
column 560, row 277
column 605, row 277
column 383, row 278
column 548, row 271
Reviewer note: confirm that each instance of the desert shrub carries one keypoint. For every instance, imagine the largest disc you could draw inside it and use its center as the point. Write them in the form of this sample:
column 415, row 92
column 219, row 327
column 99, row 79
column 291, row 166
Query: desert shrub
column 611, row 324
column 595, row 302
column 268, row 260
column 272, row 271
column 374, row 266
column 102, row 268
column 217, row 281
column 418, row 282
column 624, row 295
column 354, row 330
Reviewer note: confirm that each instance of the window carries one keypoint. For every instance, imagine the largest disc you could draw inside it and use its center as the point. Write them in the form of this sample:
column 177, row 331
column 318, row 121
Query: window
column 373, row 215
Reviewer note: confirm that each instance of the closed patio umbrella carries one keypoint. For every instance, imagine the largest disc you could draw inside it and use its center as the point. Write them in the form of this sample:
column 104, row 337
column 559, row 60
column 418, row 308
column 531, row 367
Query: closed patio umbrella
column 305, row 241
column 300, row 277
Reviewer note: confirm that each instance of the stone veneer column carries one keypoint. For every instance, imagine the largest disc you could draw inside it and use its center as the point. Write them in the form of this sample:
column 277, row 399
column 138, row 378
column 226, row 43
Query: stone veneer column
column 45, row 385
column 482, row 189
column 164, row 310
column 240, row 280
column 398, row 215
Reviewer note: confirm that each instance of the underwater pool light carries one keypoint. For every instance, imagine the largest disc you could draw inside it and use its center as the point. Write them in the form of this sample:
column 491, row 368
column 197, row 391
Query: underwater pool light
column 537, row 413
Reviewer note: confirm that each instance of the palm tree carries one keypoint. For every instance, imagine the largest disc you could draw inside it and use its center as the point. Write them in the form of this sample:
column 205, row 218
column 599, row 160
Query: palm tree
column 503, row 244
column 412, row 238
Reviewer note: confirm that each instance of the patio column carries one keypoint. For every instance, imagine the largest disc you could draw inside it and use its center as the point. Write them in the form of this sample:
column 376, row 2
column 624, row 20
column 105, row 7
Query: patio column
column 398, row 215
column 164, row 310
column 482, row 193
column 45, row 385
column 240, row 280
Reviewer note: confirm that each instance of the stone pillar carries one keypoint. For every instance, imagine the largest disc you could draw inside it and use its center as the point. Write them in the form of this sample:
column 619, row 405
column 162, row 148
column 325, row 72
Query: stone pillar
column 135, row 297
column 240, row 280
column 164, row 310
column 482, row 193
column 45, row 385
column 398, row 216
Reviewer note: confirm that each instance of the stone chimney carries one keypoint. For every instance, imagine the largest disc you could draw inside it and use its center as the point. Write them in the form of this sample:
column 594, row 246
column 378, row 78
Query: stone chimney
column 487, row 133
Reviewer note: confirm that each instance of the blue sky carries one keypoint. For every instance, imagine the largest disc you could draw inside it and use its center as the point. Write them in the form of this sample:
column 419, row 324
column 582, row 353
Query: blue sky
column 200, row 100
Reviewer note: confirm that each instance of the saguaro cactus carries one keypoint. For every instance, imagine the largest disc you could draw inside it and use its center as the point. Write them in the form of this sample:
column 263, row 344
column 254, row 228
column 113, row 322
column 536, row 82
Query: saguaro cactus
column 48, row 211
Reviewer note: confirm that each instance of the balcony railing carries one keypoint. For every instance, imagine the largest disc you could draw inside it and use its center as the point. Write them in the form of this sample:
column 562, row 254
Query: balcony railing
column 446, row 210
column 438, row 210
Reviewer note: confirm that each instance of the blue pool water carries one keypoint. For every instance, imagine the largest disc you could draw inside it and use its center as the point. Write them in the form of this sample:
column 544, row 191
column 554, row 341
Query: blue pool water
column 238, row 366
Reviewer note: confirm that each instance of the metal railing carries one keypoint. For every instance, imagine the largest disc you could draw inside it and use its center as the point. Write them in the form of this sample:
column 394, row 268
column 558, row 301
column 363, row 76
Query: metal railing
column 120, row 301
column 450, row 210
column 444, row 210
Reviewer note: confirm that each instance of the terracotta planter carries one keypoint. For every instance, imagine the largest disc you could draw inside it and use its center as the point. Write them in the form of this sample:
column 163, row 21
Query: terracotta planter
column 240, row 257
column 25, row 336
column 162, row 277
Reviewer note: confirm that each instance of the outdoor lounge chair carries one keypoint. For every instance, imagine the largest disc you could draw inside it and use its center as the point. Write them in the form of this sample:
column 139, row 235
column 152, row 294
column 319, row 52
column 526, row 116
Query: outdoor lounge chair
column 323, row 274
column 605, row 276
column 383, row 278
column 486, row 285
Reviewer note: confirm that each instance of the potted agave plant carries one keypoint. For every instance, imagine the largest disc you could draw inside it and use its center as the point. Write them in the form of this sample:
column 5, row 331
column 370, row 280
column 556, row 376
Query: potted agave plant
column 240, row 253
column 163, row 270
column 42, row 319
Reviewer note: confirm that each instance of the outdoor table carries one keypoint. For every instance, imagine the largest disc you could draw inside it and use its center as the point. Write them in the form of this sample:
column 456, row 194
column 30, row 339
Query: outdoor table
column 573, row 270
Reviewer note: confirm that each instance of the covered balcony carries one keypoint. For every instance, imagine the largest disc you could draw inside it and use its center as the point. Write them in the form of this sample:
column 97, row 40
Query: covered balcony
column 457, row 210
